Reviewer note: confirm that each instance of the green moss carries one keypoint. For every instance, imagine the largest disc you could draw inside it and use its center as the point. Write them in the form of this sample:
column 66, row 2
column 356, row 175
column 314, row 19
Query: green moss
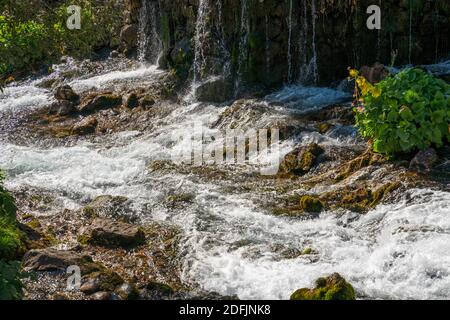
column 332, row 288
column 311, row 204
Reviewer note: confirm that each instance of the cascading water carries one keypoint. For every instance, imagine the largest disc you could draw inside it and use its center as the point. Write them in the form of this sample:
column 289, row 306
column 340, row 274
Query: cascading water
column 308, row 68
column 289, row 54
column 149, row 42
column 200, row 33
column 267, row 46
column 243, row 45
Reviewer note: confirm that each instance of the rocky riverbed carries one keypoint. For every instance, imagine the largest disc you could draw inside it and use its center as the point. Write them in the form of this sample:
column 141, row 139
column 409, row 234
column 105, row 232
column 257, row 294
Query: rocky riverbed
column 88, row 153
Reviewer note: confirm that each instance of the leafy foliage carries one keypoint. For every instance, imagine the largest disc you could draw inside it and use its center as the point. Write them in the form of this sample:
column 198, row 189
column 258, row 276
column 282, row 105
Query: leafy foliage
column 10, row 284
column 10, row 236
column 10, row 246
column 31, row 32
column 402, row 113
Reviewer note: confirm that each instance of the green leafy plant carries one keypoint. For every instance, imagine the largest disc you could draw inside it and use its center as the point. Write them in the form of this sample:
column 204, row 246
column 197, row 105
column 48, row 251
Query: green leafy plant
column 404, row 112
column 10, row 280
column 10, row 246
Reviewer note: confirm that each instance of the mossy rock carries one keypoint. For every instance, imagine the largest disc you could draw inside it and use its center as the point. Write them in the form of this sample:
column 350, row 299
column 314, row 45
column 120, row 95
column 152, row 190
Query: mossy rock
column 311, row 204
column 301, row 160
column 332, row 288
column 368, row 158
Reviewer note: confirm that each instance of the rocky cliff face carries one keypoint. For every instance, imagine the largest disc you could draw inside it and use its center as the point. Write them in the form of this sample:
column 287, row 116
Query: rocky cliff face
column 280, row 41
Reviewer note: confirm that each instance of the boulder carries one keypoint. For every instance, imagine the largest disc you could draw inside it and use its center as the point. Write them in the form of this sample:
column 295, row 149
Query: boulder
column 50, row 259
column 128, row 35
column 130, row 100
column 146, row 101
column 301, row 160
column 85, row 126
column 333, row 287
column 127, row 291
column 424, row 160
column 65, row 92
column 311, row 204
column 63, row 108
column 94, row 103
column 111, row 233
column 216, row 89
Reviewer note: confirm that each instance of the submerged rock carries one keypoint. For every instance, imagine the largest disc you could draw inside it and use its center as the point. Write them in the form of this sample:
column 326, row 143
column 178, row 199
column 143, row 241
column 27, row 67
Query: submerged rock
column 332, row 288
column 214, row 90
column 102, row 101
column 62, row 108
column 110, row 233
column 85, row 126
column 50, row 259
column 65, row 92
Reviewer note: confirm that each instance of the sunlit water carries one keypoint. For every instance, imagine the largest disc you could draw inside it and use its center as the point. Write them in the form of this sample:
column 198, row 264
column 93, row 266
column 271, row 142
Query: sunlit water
column 394, row 251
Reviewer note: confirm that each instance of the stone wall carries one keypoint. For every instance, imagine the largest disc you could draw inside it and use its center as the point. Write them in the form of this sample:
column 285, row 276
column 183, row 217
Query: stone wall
column 255, row 45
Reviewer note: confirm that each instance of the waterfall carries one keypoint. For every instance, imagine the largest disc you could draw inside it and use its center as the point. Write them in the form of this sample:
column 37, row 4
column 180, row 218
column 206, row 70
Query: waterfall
column 267, row 47
column 243, row 44
column 200, row 33
column 289, row 43
column 308, row 68
column 149, row 42
column 314, row 59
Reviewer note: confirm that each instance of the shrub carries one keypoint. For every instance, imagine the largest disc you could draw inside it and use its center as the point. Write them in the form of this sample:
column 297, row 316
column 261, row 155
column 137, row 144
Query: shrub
column 404, row 112
column 10, row 246
column 31, row 33
column 10, row 236
column 10, row 284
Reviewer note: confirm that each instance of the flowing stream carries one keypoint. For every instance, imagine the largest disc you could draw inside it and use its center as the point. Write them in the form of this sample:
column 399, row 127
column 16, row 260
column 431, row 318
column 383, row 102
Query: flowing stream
column 394, row 251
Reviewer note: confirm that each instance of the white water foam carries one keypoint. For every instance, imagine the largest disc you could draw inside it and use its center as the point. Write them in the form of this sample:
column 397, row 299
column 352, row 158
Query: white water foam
column 24, row 96
column 108, row 80
column 394, row 252
column 302, row 99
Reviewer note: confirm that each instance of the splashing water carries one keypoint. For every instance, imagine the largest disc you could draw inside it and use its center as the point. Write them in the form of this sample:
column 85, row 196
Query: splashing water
column 397, row 251
column 302, row 99
column 289, row 54
column 243, row 45
column 149, row 42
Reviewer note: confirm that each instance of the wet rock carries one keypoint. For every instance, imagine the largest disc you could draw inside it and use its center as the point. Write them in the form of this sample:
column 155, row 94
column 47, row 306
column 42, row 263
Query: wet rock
column 215, row 90
column 374, row 74
column 128, row 35
column 110, row 233
column 130, row 100
column 424, row 160
column 63, row 108
column 66, row 92
column 311, row 204
column 114, row 54
column 127, row 291
column 156, row 291
column 301, row 160
column 85, row 126
column 332, row 288
column 103, row 295
column 102, row 101
column 146, row 101
column 50, row 259
column 106, row 206
column 103, row 280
